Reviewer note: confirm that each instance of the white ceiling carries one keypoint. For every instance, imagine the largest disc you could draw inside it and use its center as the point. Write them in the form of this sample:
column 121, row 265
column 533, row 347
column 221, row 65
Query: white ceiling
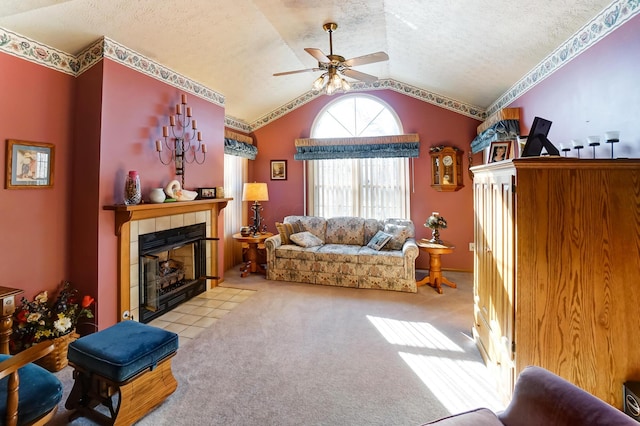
column 469, row 50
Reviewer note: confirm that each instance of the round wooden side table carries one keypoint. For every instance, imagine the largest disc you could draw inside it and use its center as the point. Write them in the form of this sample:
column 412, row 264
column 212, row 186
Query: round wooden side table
column 251, row 264
column 435, row 278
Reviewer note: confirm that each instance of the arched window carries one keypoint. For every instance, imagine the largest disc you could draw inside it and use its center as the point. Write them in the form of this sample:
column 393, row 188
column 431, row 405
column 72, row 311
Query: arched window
column 366, row 187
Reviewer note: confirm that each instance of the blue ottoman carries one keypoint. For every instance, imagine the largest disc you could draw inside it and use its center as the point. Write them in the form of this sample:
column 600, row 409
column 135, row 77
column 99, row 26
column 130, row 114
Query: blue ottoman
column 108, row 364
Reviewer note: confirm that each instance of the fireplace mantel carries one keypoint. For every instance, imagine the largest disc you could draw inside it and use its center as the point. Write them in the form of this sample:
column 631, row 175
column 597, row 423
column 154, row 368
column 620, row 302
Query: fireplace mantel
column 125, row 213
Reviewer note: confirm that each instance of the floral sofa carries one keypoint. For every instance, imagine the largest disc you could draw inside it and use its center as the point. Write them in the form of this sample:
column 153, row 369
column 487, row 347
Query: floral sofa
column 342, row 257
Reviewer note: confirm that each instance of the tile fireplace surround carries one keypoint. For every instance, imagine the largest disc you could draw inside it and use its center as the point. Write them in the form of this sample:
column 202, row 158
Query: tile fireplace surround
column 132, row 221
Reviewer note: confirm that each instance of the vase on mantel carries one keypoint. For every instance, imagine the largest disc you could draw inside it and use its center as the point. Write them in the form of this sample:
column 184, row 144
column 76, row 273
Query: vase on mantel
column 132, row 190
column 157, row 195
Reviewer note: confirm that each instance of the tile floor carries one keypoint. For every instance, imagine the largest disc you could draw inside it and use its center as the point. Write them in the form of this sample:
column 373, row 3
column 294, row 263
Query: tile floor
column 193, row 316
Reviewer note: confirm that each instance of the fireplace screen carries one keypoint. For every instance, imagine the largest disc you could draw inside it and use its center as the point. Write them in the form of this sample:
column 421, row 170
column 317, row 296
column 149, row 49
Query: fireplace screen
column 172, row 269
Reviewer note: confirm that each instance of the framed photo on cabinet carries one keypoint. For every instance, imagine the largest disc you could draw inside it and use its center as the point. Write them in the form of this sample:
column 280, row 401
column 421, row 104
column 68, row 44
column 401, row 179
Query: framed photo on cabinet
column 278, row 169
column 29, row 164
column 499, row 151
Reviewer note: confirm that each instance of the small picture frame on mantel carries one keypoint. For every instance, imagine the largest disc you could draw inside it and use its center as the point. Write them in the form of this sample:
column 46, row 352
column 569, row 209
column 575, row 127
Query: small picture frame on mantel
column 29, row 164
column 278, row 169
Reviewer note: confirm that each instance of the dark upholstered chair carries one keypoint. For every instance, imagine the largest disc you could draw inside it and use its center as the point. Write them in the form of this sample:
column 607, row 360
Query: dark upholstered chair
column 542, row 398
column 29, row 394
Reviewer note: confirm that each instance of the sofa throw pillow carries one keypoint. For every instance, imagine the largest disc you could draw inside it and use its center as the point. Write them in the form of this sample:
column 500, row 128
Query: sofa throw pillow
column 399, row 235
column 306, row 239
column 286, row 229
column 379, row 240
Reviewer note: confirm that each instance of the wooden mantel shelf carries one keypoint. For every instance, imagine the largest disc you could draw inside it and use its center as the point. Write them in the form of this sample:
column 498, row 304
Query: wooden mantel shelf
column 125, row 213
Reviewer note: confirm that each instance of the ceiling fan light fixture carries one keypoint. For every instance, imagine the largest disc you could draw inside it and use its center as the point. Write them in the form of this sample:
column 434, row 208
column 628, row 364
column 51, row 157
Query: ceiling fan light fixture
column 335, row 81
column 320, row 82
column 330, row 81
column 329, row 89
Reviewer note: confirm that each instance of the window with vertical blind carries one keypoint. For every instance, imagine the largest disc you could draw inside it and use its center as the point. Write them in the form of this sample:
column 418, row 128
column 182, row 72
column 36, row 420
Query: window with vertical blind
column 235, row 174
column 366, row 187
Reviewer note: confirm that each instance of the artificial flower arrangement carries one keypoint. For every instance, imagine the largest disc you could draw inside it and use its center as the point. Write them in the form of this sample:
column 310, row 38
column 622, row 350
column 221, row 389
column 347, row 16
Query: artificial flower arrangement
column 40, row 320
column 435, row 221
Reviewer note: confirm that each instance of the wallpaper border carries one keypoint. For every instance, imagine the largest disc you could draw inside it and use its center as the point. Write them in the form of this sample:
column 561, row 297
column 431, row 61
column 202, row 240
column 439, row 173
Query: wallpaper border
column 612, row 17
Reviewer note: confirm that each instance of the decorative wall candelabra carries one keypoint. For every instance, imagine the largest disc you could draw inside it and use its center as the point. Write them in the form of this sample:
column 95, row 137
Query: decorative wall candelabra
column 185, row 135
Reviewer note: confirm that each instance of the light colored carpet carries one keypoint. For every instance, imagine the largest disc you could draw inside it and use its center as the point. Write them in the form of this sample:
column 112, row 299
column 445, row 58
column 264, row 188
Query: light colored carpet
column 300, row 354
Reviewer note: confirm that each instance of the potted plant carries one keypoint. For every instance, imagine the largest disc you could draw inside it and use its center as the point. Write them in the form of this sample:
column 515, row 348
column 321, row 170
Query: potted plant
column 435, row 222
column 40, row 319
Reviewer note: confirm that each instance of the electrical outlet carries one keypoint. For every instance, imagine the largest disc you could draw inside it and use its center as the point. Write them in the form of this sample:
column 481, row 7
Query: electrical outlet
column 472, row 246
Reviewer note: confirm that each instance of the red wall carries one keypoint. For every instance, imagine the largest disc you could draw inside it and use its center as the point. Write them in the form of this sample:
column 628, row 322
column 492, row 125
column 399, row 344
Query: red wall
column 37, row 105
column 84, row 204
column 435, row 125
column 596, row 92
column 134, row 109
column 102, row 124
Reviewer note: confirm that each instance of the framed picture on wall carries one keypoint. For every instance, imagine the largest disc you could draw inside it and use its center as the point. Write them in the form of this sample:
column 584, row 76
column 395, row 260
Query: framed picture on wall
column 499, row 151
column 29, row 165
column 278, row 169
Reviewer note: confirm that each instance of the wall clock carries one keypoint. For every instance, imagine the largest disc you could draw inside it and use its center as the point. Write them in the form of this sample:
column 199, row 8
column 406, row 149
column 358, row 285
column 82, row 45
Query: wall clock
column 446, row 168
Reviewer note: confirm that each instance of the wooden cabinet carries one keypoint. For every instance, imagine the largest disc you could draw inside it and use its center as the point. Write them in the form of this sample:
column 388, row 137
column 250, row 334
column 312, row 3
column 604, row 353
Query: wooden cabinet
column 494, row 270
column 557, row 270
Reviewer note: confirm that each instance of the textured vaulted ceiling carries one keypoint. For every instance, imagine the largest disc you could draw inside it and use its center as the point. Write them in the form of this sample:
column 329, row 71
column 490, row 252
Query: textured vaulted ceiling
column 469, row 50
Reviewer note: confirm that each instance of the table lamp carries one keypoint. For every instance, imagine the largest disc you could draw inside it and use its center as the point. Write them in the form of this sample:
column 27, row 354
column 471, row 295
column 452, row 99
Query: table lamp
column 255, row 192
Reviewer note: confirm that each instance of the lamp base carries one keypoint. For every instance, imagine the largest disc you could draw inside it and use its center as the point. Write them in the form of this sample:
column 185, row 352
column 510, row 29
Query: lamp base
column 255, row 228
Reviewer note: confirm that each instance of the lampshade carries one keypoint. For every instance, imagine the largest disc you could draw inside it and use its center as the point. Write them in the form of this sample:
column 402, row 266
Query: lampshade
column 255, row 192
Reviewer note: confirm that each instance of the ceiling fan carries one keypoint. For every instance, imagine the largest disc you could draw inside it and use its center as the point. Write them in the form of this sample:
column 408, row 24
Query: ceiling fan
column 333, row 65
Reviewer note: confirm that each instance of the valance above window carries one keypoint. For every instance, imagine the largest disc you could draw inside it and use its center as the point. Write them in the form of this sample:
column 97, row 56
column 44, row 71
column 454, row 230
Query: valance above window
column 240, row 149
column 239, row 145
column 503, row 130
column 365, row 147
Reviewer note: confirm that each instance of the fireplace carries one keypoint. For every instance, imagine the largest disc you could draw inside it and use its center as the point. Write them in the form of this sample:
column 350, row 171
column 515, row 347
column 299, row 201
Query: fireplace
column 132, row 221
column 172, row 269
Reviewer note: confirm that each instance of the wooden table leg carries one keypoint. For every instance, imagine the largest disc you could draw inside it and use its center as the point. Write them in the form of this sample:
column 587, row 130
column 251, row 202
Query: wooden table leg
column 252, row 264
column 6, row 327
column 245, row 269
column 423, row 281
column 435, row 278
column 451, row 284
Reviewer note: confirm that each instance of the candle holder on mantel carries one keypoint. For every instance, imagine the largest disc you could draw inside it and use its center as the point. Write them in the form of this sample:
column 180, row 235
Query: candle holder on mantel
column 185, row 134
column 577, row 145
column 593, row 142
column 612, row 137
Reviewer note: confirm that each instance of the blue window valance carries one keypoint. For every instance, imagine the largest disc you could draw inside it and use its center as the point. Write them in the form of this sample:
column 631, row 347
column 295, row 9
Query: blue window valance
column 364, row 147
column 503, row 130
column 240, row 149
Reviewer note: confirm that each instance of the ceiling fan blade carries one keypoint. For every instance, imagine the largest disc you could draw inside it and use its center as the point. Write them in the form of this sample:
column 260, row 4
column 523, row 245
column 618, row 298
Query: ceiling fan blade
column 360, row 75
column 367, row 59
column 317, row 53
column 297, row 71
